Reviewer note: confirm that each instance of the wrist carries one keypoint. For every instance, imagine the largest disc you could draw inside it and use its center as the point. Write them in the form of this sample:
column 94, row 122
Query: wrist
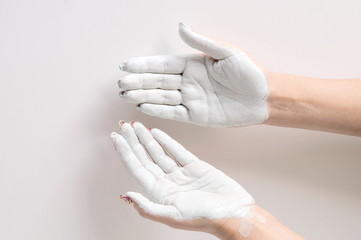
column 263, row 227
column 291, row 101
column 280, row 101
column 238, row 229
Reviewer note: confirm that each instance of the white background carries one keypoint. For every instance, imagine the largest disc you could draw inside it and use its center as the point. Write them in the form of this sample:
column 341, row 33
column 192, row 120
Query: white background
column 59, row 175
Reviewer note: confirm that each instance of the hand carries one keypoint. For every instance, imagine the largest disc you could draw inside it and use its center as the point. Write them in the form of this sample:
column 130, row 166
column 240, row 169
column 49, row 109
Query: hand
column 220, row 88
column 181, row 190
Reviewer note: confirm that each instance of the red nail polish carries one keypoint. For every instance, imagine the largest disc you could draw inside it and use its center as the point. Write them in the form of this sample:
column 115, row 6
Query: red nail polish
column 126, row 199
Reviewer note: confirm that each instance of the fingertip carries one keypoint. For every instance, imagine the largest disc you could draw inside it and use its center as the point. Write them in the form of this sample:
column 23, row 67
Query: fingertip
column 183, row 26
column 113, row 135
column 121, row 122
column 141, row 131
column 122, row 94
column 125, row 128
column 118, row 83
column 118, row 140
column 134, row 196
column 154, row 130
column 126, row 199
column 122, row 66
column 137, row 125
column 142, row 107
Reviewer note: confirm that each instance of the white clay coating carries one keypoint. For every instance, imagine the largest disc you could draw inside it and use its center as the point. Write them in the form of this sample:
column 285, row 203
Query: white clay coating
column 220, row 88
column 177, row 184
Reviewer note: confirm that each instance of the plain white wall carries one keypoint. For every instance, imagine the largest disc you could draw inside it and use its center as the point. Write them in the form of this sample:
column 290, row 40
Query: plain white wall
column 59, row 175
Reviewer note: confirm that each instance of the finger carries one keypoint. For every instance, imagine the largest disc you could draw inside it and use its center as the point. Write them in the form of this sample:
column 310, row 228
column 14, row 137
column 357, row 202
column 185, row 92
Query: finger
column 156, row 96
column 175, row 149
column 178, row 112
column 128, row 134
column 204, row 44
column 143, row 176
column 151, row 210
column 150, row 81
column 155, row 151
column 155, row 64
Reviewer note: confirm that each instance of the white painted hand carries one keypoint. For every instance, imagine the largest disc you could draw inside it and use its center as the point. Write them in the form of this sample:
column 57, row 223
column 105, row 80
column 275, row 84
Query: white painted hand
column 181, row 190
column 220, row 88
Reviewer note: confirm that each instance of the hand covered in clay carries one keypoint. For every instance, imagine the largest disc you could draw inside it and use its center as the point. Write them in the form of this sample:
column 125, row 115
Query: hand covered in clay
column 180, row 190
column 221, row 87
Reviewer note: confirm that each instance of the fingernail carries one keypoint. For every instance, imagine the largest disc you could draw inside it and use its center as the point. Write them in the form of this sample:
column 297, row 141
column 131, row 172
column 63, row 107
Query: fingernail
column 121, row 122
column 122, row 94
column 122, row 66
column 126, row 199
column 118, row 83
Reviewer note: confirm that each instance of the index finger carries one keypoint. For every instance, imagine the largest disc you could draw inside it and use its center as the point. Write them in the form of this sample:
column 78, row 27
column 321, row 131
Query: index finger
column 155, row 64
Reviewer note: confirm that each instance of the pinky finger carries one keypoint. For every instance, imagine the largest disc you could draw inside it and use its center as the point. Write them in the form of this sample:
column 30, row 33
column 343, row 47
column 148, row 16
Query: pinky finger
column 178, row 112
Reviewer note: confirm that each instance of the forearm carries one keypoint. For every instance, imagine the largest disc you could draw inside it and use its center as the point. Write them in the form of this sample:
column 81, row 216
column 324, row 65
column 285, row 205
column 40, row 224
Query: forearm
column 332, row 105
column 269, row 228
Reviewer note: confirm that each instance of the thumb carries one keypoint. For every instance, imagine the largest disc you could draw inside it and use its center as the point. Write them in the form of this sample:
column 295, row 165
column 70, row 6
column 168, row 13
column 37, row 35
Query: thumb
column 204, row 44
column 151, row 210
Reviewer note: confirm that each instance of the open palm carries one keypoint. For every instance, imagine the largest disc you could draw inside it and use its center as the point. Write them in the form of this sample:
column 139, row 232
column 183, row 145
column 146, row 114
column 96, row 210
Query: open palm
column 178, row 185
column 222, row 87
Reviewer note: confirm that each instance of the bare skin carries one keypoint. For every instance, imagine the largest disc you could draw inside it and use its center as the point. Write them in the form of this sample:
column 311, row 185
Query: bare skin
column 332, row 105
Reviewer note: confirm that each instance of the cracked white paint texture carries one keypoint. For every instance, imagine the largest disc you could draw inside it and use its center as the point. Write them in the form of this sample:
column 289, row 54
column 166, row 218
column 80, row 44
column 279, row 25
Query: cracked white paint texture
column 221, row 87
column 177, row 184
